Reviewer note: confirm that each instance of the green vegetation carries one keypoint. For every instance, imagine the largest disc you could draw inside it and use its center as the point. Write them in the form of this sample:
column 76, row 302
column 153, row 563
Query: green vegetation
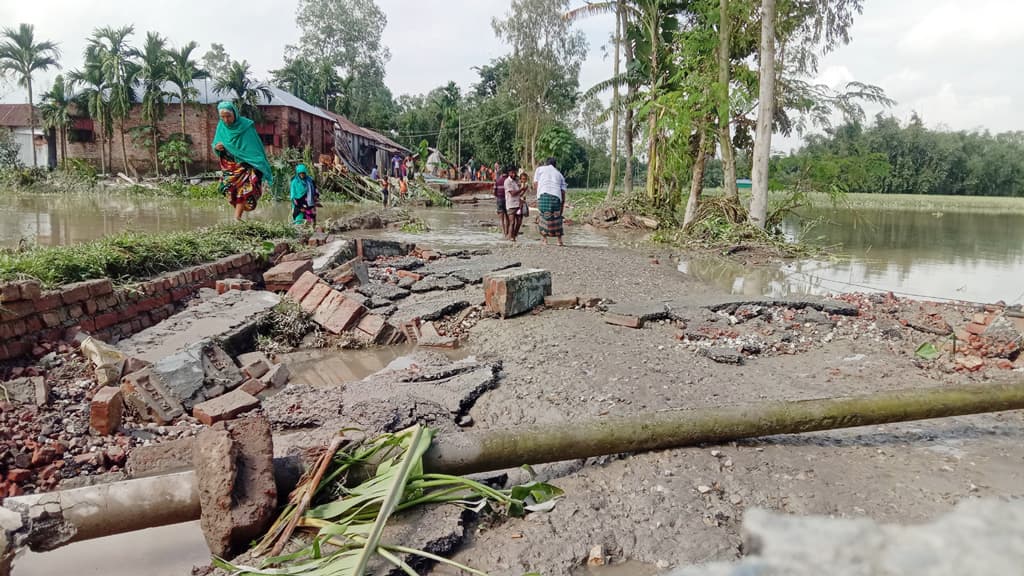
column 890, row 158
column 132, row 256
column 346, row 521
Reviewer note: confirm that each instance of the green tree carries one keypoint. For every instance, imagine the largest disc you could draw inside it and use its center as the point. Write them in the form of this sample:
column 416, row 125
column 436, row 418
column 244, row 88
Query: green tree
column 245, row 90
column 183, row 73
column 56, row 112
column 155, row 71
column 93, row 97
column 216, row 61
column 109, row 48
column 543, row 67
column 22, row 56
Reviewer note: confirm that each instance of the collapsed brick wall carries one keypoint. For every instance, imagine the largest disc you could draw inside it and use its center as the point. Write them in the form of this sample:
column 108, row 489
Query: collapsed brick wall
column 29, row 315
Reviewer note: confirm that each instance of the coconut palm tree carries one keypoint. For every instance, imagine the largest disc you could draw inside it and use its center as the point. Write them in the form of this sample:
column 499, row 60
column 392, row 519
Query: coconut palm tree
column 93, row 96
column 183, row 74
column 245, row 90
column 109, row 47
column 22, row 56
column 155, row 67
column 56, row 113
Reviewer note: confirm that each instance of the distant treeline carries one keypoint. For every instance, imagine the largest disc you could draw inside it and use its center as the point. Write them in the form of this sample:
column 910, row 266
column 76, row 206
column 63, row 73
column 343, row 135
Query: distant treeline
column 892, row 158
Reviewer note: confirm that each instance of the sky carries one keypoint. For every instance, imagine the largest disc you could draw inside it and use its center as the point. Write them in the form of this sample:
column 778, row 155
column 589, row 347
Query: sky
column 952, row 61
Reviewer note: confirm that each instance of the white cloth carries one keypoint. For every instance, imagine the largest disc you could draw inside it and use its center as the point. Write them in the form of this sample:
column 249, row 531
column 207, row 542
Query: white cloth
column 548, row 180
column 512, row 185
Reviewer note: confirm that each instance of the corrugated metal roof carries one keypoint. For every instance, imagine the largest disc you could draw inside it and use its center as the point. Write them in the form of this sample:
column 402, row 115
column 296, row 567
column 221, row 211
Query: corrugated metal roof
column 279, row 97
column 353, row 128
column 15, row 115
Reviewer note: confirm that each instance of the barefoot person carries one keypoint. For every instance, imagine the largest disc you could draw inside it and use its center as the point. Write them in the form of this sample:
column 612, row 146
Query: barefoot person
column 513, row 203
column 550, row 186
column 243, row 162
column 499, row 200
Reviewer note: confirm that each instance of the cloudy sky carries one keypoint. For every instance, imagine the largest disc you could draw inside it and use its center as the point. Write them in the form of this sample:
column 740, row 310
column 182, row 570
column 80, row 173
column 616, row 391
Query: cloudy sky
column 950, row 60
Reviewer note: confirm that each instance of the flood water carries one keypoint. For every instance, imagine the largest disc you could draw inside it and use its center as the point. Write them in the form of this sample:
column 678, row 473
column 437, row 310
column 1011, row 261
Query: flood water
column 958, row 256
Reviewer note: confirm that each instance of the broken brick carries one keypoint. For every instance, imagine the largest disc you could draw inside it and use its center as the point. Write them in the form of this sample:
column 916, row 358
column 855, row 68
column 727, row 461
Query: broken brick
column 225, row 407
column 626, row 321
column 106, row 410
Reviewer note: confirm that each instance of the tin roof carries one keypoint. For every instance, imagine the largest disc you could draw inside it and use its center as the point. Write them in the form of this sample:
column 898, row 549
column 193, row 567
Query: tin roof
column 15, row 115
column 279, row 97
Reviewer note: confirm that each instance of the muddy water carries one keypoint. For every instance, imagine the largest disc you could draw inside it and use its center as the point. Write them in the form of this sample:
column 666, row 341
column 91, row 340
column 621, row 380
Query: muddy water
column 335, row 368
column 624, row 569
column 959, row 256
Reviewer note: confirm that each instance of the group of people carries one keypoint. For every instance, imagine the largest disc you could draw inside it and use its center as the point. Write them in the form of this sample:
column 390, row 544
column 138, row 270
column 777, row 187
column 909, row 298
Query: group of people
column 244, row 169
column 511, row 188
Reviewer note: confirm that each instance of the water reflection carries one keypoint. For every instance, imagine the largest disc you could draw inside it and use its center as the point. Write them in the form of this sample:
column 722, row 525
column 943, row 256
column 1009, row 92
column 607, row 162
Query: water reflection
column 961, row 256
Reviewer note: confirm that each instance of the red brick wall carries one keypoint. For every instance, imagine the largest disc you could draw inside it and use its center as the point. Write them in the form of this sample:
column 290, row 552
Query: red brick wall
column 200, row 125
column 29, row 316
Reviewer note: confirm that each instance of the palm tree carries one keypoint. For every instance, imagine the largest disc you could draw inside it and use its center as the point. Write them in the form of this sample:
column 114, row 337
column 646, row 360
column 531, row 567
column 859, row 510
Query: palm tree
column 23, row 56
column 247, row 91
column 94, row 97
column 109, row 47
column 56, row 112
column 155, row 64
column 183, row 74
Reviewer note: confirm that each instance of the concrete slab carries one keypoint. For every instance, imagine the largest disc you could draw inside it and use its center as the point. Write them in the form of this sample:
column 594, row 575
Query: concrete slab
column 229, row 318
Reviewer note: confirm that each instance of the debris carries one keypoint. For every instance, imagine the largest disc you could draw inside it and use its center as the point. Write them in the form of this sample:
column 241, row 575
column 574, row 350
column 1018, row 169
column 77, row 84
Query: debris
column 105, row 411
column 225, row 407
column 597, row 556
column 625, row 321
column 927, row 351
column 27, row 390
column 560, row 302
column 514, row 292
column 722, row 355
column 282, row 277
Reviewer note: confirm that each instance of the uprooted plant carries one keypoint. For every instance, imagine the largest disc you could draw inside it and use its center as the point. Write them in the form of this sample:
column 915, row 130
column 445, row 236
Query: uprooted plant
column 348, row 521
column 285, row 328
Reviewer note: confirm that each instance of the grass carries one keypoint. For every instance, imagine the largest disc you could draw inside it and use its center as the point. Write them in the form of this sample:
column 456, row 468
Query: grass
column 133, row 256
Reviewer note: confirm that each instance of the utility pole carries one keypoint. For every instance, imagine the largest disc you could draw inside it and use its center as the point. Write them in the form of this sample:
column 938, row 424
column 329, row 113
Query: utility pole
column 459, row 160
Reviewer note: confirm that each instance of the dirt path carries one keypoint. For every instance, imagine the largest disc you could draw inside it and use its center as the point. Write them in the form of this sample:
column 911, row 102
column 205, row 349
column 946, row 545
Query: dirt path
column 683, row 507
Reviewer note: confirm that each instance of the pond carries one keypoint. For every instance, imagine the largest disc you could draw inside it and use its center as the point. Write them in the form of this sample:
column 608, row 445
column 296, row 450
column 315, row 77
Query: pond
column 970, row 256
column 960, row 255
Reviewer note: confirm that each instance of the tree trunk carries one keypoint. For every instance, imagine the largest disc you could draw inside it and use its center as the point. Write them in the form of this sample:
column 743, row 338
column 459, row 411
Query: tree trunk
column 724, row 112
column 184, row 138
column 652, row 122
column 614, row 176
column 156, row 151
column 629, row 120
column 31, row 122
column 697, row 179
column 128, row 168
column 766, row 106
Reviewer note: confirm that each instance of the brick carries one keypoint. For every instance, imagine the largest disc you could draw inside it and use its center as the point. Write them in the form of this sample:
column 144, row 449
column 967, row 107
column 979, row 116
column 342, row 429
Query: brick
column 975, row 328
column 100, row 287
column 106, row 410
column 106, row 320
column 373, row 327
column 560, row 302
column 287, row 273
column 76, row 311
column 513, row 292
column 15, row 310
column 30, row 289
column 256, row 368
column 10, row 292
column 34, row 324
column 225, row 407
column 408, row 274
column 91, row 307
column 626, row 321
column 48, row 301
column 431, row 338
column 6, row 331
column 19, row 475
column 303, row 286
column 341, row 315
column 73, row 293
column 253, row 387
column 277, row 377
column 18, row 327
column 315, row 297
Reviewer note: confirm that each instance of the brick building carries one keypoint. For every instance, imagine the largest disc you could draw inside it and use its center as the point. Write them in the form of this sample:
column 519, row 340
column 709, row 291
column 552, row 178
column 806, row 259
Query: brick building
column 287, row 122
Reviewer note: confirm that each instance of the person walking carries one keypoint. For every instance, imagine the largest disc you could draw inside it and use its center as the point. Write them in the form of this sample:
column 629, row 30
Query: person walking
column 305, row 196
column 499, row 200
column 513, row 202
column 243, row 161
column 550, row 186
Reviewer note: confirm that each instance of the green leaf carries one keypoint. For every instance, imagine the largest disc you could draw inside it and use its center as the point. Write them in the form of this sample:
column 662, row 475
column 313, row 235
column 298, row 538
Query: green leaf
column 927, row 351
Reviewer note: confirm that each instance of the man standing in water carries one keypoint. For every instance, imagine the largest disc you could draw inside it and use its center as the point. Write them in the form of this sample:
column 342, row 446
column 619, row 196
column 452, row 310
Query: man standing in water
column 551, row 187
column 499, row 199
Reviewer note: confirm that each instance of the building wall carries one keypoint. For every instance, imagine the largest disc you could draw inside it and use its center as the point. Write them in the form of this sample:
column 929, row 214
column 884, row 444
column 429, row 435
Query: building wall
column 23, row 138
column 200, row 125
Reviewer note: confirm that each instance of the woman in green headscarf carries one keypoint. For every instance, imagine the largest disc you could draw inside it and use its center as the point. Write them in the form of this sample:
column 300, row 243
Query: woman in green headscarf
column 243, row 162
column 305, row 196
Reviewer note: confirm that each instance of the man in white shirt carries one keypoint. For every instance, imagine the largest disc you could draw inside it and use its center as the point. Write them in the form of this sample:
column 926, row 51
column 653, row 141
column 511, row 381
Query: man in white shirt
column 550, row 186
column 513, row 203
